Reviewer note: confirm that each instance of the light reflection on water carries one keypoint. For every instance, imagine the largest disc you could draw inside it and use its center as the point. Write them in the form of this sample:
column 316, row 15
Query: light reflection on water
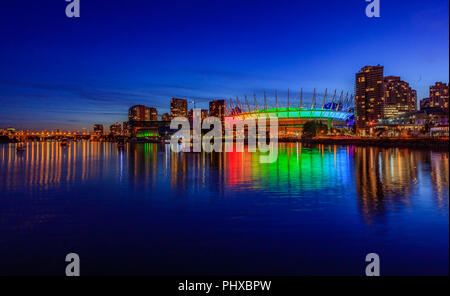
column 354, row 198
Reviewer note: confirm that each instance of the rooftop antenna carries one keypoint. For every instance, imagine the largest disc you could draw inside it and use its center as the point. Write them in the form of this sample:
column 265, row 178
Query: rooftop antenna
column 193, row 101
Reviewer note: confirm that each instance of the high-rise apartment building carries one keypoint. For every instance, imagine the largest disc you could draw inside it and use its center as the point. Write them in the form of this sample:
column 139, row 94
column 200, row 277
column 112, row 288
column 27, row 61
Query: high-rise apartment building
column 217, row 109
column 116, row 128
column 399, row 98
column 203, row 114
column 178, row 108
column 369, row 97
column 125, row 127
column 142, row 113
column 439, row 95
column 98, row 129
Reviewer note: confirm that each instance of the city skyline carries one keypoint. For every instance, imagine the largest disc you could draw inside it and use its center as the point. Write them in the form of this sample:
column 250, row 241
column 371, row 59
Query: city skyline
column 77, row 75
column 395, row 98
column 256, row 143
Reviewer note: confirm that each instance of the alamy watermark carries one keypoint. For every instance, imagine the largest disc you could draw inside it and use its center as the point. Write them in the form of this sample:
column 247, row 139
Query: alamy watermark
column 237, row 131
column 73, row 268
column 373, row 268
column 73, row 8
column 373, row 8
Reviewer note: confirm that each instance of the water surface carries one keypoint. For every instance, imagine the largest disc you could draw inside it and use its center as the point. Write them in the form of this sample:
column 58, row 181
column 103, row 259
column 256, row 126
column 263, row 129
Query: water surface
column 318, row 210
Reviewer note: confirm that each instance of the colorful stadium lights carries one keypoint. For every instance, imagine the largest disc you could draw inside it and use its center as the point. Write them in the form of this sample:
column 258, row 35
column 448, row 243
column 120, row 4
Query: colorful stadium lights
column 295, row 113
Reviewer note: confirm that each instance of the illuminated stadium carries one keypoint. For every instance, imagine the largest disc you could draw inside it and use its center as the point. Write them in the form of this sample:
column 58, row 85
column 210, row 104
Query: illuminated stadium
column 337, row 113
column 295, row 113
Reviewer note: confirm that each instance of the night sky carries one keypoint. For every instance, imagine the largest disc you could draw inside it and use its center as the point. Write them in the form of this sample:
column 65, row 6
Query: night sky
column 57, row 72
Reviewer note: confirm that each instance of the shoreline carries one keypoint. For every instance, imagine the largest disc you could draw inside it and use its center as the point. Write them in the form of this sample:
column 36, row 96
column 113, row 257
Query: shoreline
column 437, row 144
column 440, row 144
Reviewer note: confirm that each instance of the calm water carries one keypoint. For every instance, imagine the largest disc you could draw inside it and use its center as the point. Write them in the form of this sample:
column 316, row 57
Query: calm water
column 316, row 211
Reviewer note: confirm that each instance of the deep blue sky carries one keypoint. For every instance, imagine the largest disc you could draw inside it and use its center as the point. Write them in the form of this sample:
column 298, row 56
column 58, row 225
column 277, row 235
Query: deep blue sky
column 57, row 72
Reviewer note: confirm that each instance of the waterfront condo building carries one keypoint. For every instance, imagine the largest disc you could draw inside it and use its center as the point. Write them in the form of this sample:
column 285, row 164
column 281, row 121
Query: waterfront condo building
column 178, row 108
column 142, row 113
column 125, row 128
column 203, row 114
column 369, row 97
column 116, row 128
column 98, row 129
column 399, row 98
column 217, row 109
column 439, row 95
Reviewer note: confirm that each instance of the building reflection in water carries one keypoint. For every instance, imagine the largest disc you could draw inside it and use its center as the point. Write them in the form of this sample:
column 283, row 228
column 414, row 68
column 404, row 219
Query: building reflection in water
column 155, row 163
column 382, row 179
column 382, row 176
column 142, row 162
column 388, row 177
column 49, row 165
column 439, row 178
column 297, row 169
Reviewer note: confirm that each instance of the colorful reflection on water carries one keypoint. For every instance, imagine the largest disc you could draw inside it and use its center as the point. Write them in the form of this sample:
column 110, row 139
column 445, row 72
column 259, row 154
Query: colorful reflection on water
column 148, row 210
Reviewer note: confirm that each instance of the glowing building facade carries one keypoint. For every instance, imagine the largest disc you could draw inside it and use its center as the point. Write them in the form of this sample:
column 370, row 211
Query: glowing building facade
column 142, row 113
column 116, row 128
column 178, row 108
column 399, row 98
column 439, row 95
column 98, row 129
column 217, row 109
column 369, row 96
